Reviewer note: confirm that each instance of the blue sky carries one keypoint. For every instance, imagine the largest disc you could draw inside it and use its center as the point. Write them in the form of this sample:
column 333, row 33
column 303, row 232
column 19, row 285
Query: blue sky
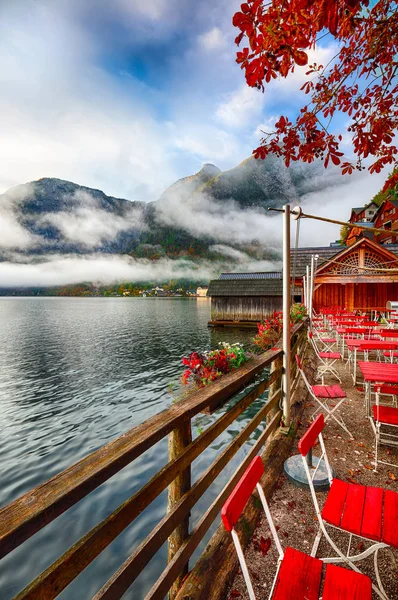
column 128, row 95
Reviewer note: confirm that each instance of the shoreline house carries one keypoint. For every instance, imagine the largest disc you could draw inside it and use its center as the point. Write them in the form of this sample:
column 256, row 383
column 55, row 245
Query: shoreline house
column 245, row 297
column 362, row 276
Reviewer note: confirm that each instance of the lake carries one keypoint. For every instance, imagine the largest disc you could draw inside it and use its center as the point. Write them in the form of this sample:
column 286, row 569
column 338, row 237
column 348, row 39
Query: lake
column 74, row 374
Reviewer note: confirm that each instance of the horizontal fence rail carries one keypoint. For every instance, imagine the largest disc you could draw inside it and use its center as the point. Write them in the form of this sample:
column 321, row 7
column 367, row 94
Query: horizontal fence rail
column 24, row 517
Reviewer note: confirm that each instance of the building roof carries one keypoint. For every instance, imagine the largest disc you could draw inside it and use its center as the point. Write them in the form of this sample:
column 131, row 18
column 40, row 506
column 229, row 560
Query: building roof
column 270, row 283
column 246, row 287
column 258, row 275
column 303, row 257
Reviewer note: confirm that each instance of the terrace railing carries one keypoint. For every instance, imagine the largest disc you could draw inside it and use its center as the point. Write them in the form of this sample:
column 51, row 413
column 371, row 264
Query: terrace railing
column 24, row 517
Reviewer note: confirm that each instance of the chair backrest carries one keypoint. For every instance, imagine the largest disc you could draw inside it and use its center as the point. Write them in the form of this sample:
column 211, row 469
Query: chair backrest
column 303, row 375
column 234, row 506
column 237, row 501
column 306, row 445
column 308, row 440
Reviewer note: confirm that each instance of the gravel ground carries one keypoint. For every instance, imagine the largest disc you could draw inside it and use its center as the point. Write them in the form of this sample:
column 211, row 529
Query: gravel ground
column 292, row 508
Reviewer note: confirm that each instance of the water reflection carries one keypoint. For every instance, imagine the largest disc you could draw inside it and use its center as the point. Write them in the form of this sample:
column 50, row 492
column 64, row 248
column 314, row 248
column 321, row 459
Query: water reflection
column 76, row 373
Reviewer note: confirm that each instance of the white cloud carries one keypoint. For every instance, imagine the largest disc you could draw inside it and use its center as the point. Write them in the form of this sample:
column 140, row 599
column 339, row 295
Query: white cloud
column 154, row 9
column 13, row 234
column 208, row 143
column 214, row 39
column 283, row 90
column 105, row 269
column 224, row 221
column 335, row 202
column 241, row 107
column 229, row 252
column 62, row 116
column 88, row 225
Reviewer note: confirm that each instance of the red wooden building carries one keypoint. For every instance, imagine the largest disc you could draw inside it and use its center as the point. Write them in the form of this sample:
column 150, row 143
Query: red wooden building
column 362, row 276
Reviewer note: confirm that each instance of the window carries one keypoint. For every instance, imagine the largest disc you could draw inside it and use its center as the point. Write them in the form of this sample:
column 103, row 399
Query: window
column 387, row 225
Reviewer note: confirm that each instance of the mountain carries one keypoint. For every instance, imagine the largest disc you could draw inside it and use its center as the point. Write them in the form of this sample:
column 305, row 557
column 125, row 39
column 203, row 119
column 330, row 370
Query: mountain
column 61, row 216
column 184, row 188
column 189, row 219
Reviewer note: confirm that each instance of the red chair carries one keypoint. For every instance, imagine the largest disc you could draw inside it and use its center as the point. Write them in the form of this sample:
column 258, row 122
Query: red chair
column 326, row 359
column 298, row 576
column 385, row 419
column 368, row 513
column 325, row 395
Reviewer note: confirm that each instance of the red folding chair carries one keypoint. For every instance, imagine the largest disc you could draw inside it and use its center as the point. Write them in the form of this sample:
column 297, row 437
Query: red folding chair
column 326, row 359
column 298, row 576
column 326, row 343
column 366, row 512
column 385, row 419
column 325, row 396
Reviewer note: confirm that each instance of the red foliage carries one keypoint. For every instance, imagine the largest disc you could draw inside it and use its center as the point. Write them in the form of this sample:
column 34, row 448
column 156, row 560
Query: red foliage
column 391, row 183
column 203, row 368
column 360, row 81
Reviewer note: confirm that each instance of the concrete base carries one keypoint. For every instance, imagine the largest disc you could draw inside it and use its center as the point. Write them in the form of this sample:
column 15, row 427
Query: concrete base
column 294, row 470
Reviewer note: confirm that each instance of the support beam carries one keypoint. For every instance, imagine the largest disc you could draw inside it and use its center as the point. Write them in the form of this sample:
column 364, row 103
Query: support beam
column 286, row 316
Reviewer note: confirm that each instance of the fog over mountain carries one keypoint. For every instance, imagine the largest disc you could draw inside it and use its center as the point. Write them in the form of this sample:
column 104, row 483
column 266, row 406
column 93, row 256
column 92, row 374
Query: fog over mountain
column 55, row 232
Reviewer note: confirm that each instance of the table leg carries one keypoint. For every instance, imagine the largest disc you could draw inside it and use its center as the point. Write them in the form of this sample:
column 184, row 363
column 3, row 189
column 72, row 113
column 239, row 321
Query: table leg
column 355, row 366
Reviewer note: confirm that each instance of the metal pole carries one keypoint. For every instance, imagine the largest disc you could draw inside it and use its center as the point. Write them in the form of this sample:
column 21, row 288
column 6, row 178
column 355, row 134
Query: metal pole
column 307, row 279
column 286, row 316
column 304, row 292
column 311, row 286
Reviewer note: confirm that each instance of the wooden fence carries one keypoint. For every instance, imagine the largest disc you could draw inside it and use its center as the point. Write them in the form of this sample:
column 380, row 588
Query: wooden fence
column 31, row 512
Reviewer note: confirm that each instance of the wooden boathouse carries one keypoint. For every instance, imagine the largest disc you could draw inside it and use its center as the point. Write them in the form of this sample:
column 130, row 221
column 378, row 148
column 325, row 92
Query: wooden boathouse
column 245, row 298
column 362, row 276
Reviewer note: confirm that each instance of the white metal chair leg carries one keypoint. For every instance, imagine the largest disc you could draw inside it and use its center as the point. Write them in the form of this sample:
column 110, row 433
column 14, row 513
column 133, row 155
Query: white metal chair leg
column 376, row 567
column 315, row 545
column 377, row 445
column 243, row 565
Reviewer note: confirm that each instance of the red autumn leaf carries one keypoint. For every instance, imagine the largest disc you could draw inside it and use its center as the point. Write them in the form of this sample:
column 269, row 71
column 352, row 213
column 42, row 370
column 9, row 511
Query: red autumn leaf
column 265, row 545
column 300, row 57
column 235, row 594
column 278, row 35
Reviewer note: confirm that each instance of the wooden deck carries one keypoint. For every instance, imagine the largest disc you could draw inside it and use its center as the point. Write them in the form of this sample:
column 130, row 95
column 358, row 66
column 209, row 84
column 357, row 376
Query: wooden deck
column 292, row 507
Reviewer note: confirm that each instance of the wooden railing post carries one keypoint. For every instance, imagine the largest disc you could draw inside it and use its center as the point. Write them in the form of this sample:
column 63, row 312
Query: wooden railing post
column 275, row 387
column 178, row 440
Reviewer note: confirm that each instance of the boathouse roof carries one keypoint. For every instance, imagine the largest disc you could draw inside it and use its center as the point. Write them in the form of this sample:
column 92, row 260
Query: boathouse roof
column 258, row 275
column 246, row 286
column 270, row 283
column 243, row 284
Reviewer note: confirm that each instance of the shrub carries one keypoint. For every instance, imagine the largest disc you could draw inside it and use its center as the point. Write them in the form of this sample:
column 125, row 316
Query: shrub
column 203, row 368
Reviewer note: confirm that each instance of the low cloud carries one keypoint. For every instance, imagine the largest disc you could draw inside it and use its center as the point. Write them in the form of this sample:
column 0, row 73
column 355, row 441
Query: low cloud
column 203, row 216
column 107, row 269
column 89, row 225
column 12, row 232
column 229, row 252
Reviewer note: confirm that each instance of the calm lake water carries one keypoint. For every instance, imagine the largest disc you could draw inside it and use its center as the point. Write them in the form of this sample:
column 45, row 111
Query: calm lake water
column 74, row 374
